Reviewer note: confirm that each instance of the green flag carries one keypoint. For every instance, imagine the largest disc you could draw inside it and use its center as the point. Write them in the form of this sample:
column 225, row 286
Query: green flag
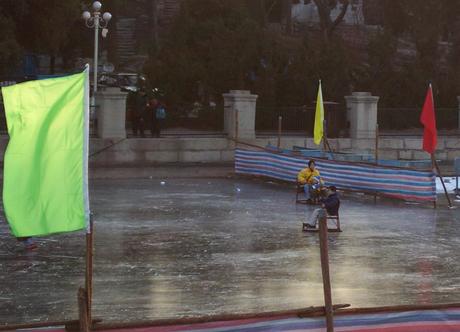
column 45, row 181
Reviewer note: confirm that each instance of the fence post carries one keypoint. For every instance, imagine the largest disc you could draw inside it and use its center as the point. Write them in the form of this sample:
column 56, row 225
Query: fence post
column 280, row 120
column 458, row 125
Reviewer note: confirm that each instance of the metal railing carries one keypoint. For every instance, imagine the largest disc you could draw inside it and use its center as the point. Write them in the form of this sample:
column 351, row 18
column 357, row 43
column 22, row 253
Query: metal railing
column 402, row 118
column 203, row 118
column 301, row 119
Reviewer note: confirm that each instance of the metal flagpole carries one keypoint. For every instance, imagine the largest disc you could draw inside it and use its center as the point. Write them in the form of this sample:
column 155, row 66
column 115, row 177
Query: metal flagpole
column 438, row 171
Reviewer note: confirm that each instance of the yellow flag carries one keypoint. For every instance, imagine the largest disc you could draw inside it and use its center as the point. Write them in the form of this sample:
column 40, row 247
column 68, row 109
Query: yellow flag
column 319, row 117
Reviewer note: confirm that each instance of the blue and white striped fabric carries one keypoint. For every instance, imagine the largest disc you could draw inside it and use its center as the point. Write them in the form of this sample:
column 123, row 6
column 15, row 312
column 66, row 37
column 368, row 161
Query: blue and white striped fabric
column 402, row 183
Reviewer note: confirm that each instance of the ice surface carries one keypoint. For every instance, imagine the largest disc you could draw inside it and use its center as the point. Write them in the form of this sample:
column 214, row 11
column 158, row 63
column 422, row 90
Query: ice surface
column 198, row 246
column 449, row 182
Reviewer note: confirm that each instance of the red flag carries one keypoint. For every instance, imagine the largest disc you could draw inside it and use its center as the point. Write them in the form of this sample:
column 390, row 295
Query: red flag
column 428, row 119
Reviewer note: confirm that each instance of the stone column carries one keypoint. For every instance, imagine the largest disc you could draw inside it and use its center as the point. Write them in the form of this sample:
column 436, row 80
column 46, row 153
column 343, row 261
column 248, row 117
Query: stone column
column 243, row 103
column 111, row 113
column 362, row 114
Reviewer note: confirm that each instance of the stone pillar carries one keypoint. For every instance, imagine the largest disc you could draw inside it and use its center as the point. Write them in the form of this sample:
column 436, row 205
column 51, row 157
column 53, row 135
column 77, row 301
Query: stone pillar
column 243, row 103
column 362, row 114
column 458, row 98
column 111, row 113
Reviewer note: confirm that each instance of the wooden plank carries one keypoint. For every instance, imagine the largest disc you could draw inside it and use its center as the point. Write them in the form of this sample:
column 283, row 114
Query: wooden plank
column 303, row 312
column 12, row 327
column 398, row 308
column 324, row 251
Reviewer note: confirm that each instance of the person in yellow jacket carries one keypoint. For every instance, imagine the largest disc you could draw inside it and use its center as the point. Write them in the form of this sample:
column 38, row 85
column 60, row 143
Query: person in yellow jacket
column 310, row 178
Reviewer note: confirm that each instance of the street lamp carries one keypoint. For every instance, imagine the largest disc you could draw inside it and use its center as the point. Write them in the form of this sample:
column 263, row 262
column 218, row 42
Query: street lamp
column 96, row 21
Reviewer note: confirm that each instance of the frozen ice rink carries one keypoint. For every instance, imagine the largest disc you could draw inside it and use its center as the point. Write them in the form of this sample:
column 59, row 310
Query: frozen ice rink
column 190, row 247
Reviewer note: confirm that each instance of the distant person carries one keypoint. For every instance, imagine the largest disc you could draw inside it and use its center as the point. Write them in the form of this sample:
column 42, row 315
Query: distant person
column 152, row 115
column 310, row 179
column 160, row 116
column 140, row 105
column 330, row 207
column 28, row 242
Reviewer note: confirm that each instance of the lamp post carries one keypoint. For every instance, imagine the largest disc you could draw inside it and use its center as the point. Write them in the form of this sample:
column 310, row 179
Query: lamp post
column 96, row 21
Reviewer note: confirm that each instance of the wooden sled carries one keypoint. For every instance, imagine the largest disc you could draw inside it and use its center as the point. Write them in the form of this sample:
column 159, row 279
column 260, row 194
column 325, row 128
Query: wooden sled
column 299, row 196
column 336, row 219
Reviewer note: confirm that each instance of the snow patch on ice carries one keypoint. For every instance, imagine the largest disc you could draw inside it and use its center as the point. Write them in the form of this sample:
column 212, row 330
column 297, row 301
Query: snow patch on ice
column 449, row 182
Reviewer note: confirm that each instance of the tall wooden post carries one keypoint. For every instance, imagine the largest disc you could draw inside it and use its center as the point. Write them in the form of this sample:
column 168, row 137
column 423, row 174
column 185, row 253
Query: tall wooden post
column 326, row 145
column 377, row 143
column 89, row 269
column 83, row 322
column 324, row 136
column 325, row 271
column 280, row 120
column 236, row 125
column 376, row 153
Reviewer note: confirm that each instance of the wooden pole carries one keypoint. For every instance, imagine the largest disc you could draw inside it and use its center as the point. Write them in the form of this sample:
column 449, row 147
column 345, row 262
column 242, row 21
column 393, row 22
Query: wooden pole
column 326, row 145
column 70, row 325
column 324, row 135
column 89, row 268
column 236, row 124
column 376, row 153
column 436, row 166
column 280, row 120
column 325, row 270
column 84, row 323
column 305, row 312
column 377, row 144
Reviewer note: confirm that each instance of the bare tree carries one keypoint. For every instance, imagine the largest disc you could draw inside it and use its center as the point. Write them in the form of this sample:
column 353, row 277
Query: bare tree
column 286, row 9
column 324, row 10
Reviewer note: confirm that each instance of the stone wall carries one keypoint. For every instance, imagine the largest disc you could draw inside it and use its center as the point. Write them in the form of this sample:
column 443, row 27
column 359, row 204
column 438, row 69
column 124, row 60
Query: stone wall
column 394, row 147
column 151, row 151
column 410, row 148
column 139, row 152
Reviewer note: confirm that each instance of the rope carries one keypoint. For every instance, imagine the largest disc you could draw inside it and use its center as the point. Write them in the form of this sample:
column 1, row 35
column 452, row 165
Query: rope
column 106, row 148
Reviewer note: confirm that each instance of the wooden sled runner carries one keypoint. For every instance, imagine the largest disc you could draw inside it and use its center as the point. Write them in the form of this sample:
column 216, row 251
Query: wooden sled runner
column 336, row 219
column 300, row 199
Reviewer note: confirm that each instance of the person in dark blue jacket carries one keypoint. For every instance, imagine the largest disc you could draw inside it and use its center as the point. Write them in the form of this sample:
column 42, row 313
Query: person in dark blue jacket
column 330, row 207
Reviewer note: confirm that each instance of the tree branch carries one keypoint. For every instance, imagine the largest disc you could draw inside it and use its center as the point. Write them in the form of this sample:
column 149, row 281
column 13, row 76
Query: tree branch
column 269, row 10
column 339, row 18
column 324, row 14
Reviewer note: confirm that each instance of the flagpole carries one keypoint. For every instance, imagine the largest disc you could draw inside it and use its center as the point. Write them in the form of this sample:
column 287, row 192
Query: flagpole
column 326, row 141
column 89, row 269
column 89, row 227
column 438, row 171
column 377, row 144
column 324, row 135
column 280, row 120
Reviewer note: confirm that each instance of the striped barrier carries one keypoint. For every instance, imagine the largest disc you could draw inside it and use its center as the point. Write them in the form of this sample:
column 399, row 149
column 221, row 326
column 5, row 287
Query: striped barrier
column 395, row 182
